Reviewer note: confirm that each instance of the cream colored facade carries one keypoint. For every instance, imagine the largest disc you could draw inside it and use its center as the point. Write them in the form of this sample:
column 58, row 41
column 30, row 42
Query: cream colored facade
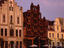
column 11, row 18
column 57, row 34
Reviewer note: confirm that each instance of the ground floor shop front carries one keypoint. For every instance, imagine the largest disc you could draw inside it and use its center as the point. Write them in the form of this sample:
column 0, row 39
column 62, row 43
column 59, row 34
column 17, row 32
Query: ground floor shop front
column 35, row 42
column 10, row 43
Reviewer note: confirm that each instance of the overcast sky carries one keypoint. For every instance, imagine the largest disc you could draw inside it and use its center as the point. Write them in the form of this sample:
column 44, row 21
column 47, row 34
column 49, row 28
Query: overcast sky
column 49, row 8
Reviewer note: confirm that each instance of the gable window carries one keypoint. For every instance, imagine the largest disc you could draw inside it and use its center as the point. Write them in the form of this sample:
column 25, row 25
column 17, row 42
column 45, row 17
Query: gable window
column 3, row 18
column 57, row 28
column 11, row 8
column 11, row 19
column 17, row 20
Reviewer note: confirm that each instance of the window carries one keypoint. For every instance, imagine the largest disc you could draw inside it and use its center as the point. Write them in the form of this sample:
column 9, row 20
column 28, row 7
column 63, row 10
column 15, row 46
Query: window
column 28, row 26
column 5, row 32
column 57, row 35
column 57, row 28
column 11, row 19
column 3, row 18
column 58, row 44
column 20, row 33
column 16, row 44
column 49, row 34
column 53, row 35
column 1, row 43
column 62, row 43
column 11, row 44
column 6, row 44
column 62, row 36
column 11, row 32
column 17, row 20
column 16, row 32
column 34, row 9
column 20, row 44
column 53, row 43
column 11, row 8
column 35, row 21
column 2, row 32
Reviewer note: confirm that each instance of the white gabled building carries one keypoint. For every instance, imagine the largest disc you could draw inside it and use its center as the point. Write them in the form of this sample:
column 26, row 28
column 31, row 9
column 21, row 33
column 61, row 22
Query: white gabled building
column 11, row 24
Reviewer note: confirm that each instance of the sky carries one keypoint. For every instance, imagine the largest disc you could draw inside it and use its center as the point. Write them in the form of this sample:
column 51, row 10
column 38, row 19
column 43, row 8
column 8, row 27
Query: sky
column 51, row 9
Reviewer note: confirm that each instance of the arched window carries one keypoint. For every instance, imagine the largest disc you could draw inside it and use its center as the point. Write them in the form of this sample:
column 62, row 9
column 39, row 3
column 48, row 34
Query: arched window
column 11, row 32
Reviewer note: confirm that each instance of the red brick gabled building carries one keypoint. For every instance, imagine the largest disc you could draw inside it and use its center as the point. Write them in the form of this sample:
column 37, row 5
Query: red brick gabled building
column 35, row 27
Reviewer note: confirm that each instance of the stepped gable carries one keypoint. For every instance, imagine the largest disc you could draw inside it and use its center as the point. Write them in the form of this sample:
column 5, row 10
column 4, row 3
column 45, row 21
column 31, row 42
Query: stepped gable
column 1, row 2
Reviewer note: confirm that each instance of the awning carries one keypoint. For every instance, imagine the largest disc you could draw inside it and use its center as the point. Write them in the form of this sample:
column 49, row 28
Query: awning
column 33, row 45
